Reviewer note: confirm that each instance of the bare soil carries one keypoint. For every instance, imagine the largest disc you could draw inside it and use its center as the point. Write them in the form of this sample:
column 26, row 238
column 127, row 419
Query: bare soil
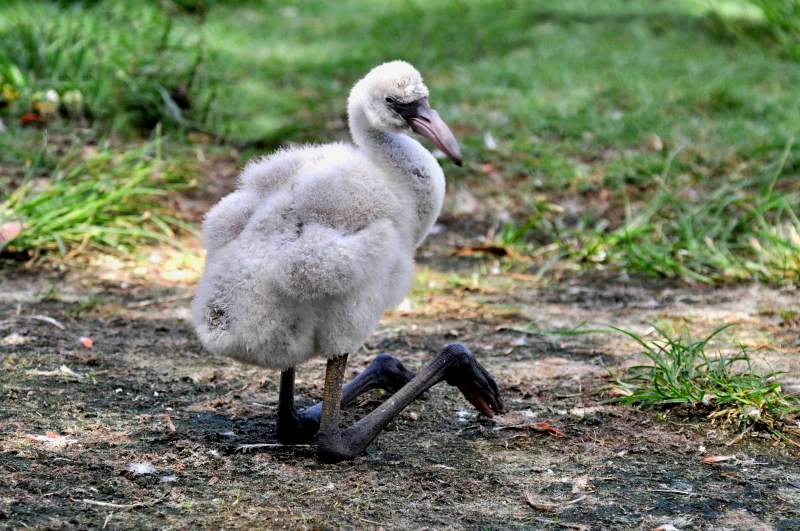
column 144, row 429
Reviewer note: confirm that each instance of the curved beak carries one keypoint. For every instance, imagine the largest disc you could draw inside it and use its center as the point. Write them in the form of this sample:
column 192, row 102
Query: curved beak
column 426, row 122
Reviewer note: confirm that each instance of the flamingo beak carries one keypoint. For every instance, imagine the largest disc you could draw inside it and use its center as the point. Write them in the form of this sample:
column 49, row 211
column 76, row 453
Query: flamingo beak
column 426, row 122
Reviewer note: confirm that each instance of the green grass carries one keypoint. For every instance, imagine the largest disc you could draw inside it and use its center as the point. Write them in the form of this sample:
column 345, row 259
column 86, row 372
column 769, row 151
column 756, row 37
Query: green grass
column 683, row 115
column 111, row 200
column 682, row 373
column 555, row 71
column 740, row 228
column 783, row 19
column 575, row 92
column 115, row 65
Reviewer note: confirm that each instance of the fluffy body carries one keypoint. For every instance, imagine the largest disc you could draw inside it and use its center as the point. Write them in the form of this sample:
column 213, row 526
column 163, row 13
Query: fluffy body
column 318, row 241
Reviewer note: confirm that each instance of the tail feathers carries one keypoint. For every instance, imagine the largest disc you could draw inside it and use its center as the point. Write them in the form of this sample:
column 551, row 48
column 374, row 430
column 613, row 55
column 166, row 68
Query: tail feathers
column 227, row 219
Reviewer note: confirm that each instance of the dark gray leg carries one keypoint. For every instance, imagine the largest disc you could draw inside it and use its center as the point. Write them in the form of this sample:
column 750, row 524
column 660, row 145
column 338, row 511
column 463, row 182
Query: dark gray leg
column 455, row 365
column 293, row 427
column 297, row 427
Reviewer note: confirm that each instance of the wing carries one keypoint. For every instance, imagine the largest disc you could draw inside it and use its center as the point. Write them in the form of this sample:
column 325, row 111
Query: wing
column 324, row 261
column 259, row 179
column 314, row 222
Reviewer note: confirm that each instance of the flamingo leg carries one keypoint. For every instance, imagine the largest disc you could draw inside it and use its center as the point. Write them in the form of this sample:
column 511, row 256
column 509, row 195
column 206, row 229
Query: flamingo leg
column 455, row 365
column 297, row 427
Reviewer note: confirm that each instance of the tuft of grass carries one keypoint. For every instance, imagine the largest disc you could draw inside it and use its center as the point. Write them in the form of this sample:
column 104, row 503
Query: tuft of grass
column 742, row 228
column 681, row 372
column 116, row 64
column 112, row 200
column 783, row 19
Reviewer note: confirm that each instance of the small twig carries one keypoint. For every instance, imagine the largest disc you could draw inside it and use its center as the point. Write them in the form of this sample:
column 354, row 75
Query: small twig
column 570, row 525
column 548, row 506
column 53, row 493
column 673, row 491
column 121, row 505
column 329, row 486
column 244, row 448
column 149, row 302
column 48, row 319
column 371, row 521
column 739, row 437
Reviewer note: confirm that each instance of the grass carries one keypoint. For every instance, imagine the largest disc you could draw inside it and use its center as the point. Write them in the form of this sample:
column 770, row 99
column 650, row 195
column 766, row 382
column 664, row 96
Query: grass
column 534, row 73
column 783, row 18
column 109, row 200
column 743, row 228
column 682, row 373
column 113, row 65
column 688, row 135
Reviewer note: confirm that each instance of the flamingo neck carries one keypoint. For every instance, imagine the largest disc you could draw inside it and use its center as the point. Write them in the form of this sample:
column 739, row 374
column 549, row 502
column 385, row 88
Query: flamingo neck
column 406, row 161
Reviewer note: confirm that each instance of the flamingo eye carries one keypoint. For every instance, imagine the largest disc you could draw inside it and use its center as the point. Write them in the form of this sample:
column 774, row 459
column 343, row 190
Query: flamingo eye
column 399, row 106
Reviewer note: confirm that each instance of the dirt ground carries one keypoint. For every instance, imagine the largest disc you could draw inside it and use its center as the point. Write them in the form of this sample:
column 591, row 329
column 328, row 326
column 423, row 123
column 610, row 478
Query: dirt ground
column 143, row 429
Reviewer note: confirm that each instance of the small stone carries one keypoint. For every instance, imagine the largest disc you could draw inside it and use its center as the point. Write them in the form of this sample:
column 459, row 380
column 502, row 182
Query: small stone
column 653, row 142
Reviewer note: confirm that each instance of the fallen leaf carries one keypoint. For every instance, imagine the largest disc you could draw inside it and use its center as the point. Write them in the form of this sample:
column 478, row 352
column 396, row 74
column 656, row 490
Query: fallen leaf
column 53, row 440
column 8, row 231
column 30, row 118
column 525, row 419
column 206, row 376
column 718, row 458
column 549, row 428
column 14, row 339
column 487, row 168
column 619, row 391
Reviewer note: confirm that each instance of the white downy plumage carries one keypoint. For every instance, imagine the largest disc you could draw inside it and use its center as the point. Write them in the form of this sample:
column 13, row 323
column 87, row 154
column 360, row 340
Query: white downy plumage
column 318, row 241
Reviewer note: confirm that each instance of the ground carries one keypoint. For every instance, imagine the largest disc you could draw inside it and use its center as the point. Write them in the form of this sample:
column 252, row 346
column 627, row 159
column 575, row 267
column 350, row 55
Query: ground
column 627, row 163
column 76, row 421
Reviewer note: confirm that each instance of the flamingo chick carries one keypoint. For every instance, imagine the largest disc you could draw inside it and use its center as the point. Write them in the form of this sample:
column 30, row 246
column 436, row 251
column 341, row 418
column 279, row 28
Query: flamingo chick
column 316, row 243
